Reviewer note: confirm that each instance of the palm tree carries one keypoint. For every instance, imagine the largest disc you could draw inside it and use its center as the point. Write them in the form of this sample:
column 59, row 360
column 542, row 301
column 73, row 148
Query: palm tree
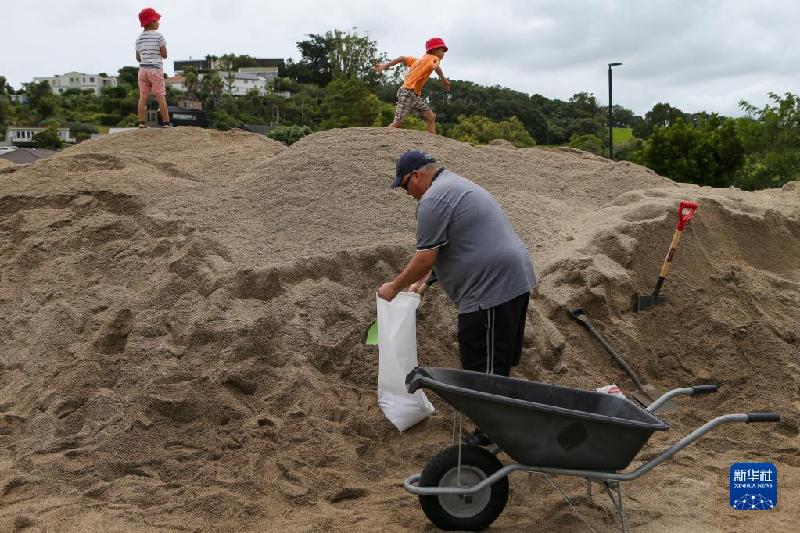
column 190, row 77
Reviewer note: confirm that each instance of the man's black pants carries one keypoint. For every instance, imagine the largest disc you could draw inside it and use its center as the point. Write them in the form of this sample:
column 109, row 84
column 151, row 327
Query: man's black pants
column 490, row 340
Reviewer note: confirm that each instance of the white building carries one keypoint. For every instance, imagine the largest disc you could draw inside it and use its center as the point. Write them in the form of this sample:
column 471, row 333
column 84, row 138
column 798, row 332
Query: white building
column 177, row 82
column 78, row 80
column 23, row 136
column 240, row 83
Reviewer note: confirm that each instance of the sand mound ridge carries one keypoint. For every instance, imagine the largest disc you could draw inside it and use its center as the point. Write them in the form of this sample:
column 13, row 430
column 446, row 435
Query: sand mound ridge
column 183, row 311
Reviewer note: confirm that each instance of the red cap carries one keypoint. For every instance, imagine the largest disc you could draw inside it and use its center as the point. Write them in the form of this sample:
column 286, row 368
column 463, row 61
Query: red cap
column 148, row 15
column 434, row 42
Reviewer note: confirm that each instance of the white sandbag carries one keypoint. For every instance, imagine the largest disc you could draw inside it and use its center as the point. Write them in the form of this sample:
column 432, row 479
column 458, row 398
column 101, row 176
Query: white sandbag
column 397, row 356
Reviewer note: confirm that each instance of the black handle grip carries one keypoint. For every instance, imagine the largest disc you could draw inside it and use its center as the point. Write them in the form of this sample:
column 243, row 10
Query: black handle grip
column 703, row 389
column 763, row 417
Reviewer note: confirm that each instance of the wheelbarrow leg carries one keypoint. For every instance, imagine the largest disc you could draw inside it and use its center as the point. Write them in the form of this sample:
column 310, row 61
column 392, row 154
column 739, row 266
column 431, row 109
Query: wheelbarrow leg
column 618, row 505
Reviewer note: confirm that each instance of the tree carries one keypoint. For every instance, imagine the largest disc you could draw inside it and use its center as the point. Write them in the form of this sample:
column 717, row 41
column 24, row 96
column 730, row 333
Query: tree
column 588, row 142
column 706, row 155
column 314, row 65
column 662, row 115
column 483, row 130
column 213, row 85
column 349, row 102
column 48, row 138
column 5, row 105
column 771, row 138
column 35, row 91
column 289, row 134
column 352, row 56
column 190, row 78
column 222, row 120
column 128, row 76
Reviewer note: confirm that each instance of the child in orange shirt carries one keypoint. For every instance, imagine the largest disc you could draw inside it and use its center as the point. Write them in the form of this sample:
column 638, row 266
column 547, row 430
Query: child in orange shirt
column 409, row 96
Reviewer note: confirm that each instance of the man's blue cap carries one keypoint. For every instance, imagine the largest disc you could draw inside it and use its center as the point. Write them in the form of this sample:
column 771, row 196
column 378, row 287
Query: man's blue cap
column 410, row 160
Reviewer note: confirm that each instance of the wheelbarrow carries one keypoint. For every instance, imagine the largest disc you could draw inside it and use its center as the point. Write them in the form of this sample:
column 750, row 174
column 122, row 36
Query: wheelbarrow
column 543, row 428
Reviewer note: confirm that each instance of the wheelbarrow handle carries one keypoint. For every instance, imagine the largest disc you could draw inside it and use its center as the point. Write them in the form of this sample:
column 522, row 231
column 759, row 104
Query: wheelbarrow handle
column 703, row 389
column 684, row 219
column 763, row 417
column 682, row 391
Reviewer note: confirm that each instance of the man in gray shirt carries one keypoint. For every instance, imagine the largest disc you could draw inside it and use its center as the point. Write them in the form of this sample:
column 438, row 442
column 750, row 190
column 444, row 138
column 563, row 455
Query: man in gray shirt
column 465, row 238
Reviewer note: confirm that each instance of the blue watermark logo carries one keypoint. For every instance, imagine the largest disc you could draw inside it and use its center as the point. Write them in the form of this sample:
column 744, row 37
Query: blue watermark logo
column 753, row 486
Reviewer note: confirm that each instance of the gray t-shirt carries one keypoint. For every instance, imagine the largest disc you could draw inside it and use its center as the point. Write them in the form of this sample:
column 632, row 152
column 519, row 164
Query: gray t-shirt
column 482, row 262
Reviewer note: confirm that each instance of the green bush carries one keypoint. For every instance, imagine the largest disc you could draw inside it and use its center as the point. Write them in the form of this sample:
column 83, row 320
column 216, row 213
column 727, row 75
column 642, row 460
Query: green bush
column 48, row 138
column 588, row 142
column 289, row 134
column 129, row 121
column 109, row 119
column 222, row 120
column 482, row 130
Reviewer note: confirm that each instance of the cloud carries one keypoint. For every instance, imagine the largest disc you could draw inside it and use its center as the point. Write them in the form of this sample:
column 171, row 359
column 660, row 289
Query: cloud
column 696, row 55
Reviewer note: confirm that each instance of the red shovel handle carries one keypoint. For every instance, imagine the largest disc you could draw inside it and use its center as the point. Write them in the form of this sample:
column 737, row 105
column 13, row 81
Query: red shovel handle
column 684, row 218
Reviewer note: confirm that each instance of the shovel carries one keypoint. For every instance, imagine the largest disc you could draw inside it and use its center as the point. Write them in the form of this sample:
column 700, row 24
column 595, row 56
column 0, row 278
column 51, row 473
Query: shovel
column 640, row 302
column 371, row 338
column 644, row 394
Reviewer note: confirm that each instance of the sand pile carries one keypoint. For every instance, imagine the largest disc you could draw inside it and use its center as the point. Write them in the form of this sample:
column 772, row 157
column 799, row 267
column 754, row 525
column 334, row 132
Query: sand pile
column 182, row 313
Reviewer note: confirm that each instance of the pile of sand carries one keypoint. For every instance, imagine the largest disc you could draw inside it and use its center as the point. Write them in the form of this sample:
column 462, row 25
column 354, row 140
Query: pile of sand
column 182, row 315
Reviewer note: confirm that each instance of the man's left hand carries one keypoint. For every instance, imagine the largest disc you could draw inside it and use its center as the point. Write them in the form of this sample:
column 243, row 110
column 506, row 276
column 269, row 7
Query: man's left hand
column 388, row 291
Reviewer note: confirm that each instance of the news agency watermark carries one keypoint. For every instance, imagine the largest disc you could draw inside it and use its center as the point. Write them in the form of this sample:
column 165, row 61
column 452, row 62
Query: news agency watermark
column 753, row 486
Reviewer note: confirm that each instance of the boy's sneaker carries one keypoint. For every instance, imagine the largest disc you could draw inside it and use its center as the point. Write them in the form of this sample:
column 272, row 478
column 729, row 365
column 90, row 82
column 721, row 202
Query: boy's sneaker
column 168, row 125
column 142, row 125
column 477, row 438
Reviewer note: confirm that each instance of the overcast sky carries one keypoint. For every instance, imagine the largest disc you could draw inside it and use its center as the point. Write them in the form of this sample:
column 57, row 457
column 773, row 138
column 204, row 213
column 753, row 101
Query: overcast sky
column 699, row 55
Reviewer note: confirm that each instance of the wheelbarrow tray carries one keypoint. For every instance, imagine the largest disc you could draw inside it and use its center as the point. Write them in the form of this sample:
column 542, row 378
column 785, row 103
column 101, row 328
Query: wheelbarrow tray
column 542, row 424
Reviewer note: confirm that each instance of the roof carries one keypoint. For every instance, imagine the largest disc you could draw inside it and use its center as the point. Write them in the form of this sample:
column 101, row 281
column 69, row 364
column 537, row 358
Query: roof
column 240, row 75
column 24, row 156
column 269, row 62
column 201, row 64
column 198, row 64
column 257, row 128
column 175, row 79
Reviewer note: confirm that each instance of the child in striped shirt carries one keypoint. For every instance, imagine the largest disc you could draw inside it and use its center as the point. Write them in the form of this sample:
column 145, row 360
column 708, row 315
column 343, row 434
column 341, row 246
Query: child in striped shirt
column 151, row 48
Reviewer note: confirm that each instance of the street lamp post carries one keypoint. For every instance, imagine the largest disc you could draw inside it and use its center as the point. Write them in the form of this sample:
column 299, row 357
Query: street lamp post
column 610, row 123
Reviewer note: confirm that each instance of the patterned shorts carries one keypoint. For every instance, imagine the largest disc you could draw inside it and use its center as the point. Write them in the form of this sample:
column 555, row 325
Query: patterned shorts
column 409, row 102
column 151, row 81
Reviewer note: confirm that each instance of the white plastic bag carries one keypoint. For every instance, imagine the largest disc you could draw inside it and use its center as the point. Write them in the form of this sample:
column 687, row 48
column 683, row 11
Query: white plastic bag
column 397, row 356
column 613, row 390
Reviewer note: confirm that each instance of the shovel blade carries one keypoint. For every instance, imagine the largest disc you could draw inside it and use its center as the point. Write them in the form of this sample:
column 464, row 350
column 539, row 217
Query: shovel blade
column 641, row 302
column 649, row 394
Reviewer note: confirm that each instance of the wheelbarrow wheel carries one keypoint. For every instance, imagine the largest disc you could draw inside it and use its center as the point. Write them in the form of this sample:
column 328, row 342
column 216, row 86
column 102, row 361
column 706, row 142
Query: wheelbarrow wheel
column 471, row 512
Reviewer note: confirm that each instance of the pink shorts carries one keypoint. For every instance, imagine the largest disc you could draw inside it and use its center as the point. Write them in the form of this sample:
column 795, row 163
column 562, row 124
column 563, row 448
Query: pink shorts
column 151, row 81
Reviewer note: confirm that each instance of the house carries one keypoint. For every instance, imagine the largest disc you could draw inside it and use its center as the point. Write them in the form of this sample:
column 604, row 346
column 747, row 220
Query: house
column 23, row 136
column 266, row 67
column 78, row 80
column 240, row 83
column 180, row 116
column 176, row 82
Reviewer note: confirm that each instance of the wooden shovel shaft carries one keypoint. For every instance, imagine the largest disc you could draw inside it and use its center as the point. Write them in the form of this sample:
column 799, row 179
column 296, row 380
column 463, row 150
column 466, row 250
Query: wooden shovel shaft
column 686, row 211
column 667, row 263
column 672, row 247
